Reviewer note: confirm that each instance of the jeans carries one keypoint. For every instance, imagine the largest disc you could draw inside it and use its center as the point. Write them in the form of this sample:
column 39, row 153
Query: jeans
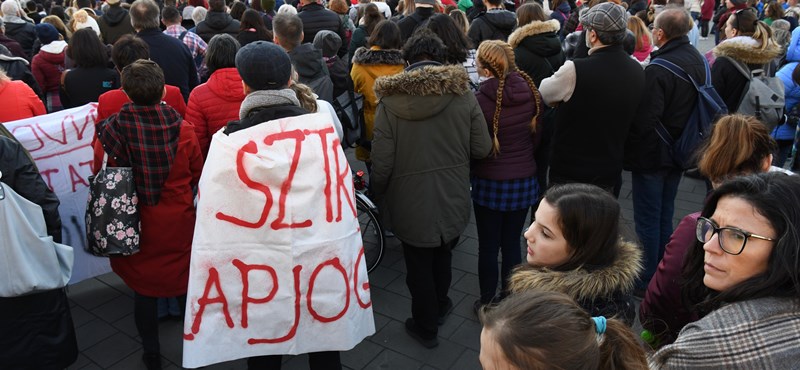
column 784, row 149
column 653, row 208
column 498, row 231
column 428, row 281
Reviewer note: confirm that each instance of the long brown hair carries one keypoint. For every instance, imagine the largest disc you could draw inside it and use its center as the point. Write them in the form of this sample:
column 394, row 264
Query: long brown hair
column 640, row 32
column 738, row 146
column 548, row 330
column 498, row 57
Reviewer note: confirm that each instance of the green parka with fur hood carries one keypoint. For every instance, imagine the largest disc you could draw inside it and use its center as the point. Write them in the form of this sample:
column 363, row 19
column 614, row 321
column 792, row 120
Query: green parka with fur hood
column 600, row 290
column 428, row 126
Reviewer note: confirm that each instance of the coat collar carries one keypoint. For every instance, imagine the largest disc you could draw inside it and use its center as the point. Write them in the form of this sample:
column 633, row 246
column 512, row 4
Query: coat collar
column 583, row 283
column 532, row 29
column 425, row 81
column 747, row 49
column 378, row 56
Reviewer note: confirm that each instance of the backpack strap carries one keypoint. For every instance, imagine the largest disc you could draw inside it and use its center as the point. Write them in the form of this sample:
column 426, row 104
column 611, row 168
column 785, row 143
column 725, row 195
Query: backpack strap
column 182, row 35
column 680, row 73
column 741, row 67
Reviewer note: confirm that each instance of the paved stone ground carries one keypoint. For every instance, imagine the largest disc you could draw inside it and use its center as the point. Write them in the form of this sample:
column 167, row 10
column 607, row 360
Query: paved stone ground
column 103, row 310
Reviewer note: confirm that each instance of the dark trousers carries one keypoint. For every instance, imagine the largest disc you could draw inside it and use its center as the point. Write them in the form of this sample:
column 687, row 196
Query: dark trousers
column 428, row 280
column 316, row 361
column 498, row 231
column 704, row 27
column 145, row 315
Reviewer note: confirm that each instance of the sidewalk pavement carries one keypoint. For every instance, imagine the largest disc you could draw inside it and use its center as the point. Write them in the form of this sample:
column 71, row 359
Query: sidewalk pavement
column 102, row 309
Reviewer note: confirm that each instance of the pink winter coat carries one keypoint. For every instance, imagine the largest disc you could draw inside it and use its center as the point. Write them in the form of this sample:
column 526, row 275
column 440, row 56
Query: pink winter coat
column 213, row 104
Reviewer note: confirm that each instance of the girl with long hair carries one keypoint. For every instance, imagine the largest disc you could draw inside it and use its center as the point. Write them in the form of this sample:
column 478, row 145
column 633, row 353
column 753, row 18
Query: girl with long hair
column 644, row 39
column 252, row 28
column 504, row 185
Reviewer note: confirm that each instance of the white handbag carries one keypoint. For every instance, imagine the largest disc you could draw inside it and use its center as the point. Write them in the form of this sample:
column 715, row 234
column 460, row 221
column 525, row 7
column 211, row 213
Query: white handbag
column 30, row 261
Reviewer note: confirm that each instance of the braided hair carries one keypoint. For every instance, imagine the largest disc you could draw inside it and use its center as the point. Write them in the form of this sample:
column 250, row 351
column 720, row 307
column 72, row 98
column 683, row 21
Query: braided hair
column 498, row 58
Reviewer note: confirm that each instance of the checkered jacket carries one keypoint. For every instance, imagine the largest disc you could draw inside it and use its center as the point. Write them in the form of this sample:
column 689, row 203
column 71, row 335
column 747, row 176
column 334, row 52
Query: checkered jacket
column 195, row 44
column 756, row 334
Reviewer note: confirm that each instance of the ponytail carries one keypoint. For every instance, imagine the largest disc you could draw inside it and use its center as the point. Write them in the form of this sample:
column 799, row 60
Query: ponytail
column 619, row 348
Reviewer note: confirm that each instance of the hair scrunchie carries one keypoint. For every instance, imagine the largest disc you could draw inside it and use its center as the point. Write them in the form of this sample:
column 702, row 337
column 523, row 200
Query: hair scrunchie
column 599, row 324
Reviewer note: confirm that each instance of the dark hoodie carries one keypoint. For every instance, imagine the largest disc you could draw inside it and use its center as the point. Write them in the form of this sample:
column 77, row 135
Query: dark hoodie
column 115, row 23
column 492, row 25
column 312, row 71
column 217, row 23
column 537, row 49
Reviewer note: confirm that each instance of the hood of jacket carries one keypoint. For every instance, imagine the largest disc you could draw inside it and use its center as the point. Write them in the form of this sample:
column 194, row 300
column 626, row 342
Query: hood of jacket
column 793, row 50
column 218, row 20
column 114, row 15
column 307, row 60
column 408, row 95
column 515, row 90
column 582, row 283
column 747, row 49
column 226, row 84
column 501, row 20
column 545, row 45
column 377, row 56
column 56, row 47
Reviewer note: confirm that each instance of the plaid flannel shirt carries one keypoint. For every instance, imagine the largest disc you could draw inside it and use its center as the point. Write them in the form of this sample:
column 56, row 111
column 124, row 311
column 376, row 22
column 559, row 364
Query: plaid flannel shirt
column 195, row 44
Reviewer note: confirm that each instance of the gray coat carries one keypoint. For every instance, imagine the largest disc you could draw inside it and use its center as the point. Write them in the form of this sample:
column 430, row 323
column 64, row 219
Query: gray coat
column 428, row 126
column 754, row 334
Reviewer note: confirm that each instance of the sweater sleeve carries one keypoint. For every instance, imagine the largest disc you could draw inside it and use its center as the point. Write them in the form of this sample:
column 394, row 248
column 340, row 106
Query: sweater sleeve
column 560, row 86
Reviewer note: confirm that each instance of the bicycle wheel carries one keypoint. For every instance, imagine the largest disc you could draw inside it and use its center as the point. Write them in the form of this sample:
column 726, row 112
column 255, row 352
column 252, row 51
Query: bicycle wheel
column 371, row 234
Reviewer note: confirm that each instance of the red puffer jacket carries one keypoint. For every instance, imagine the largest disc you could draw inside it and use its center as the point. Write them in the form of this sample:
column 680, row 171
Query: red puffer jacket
column 213, row 104
column 48, row 65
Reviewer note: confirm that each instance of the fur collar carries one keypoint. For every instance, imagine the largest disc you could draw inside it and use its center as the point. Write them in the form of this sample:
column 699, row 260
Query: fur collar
column 532, row 29
column 580, row 283
column 378, row 56
column 267, row 98
column 425, row 81
column 747, row 49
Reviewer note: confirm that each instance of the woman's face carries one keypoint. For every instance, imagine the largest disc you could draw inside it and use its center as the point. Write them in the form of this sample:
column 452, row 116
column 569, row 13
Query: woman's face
column 729, row 30
column 546, row 244
column 728, row 4
column 723, row 270
column 491, row 356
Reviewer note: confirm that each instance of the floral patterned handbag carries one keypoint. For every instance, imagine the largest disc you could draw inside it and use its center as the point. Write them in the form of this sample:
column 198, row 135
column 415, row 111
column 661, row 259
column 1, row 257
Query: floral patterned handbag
column 112, row 214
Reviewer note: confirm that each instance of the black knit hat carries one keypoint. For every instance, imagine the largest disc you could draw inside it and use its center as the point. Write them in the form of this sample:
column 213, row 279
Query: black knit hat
column 264, row 66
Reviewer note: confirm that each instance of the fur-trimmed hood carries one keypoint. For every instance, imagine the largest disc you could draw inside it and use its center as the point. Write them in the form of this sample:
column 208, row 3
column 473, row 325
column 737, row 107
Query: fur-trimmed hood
column 423, row 92
column 582, row 284
column 747, row 49
column 378, row 56
column 532, row 29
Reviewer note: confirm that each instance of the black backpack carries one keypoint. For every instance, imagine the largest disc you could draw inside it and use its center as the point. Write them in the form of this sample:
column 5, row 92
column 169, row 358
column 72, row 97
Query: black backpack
column 707, row 109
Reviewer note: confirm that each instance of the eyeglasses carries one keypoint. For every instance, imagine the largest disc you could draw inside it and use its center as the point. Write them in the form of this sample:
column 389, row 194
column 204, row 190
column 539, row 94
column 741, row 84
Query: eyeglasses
column 731, row 239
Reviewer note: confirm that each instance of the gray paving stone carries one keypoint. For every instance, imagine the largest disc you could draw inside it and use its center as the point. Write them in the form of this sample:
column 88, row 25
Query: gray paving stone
column 464, row 308
column 80, row 316
column 80, row 362
column 93, row 332
column 127, row 326
column 108, row 352
column 468, row 245
column 115, row 309
column 114, row 281
column 90, row 293
column 399, row 286
column 134, row 362
column 391, row 304
column 394, row 336
column 382, row 276
column 468, row 335
column 468, row 361
column 471, row 231
column 464, row 261
column 170, row 335
column 361, row 355
column 468, row 283
column 380, row 320
column 391, row 360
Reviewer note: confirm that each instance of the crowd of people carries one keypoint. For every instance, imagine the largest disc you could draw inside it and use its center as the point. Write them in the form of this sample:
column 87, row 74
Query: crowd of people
column 495, row 108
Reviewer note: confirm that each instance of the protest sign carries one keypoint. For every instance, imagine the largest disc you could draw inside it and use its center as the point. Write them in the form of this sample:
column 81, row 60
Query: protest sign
column 277, row 260
column 61, row 145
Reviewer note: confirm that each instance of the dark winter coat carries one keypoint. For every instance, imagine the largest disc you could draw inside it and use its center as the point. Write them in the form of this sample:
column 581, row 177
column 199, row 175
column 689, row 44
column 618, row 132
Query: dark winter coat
column 13, row 46
column 537, row 49
column 215, row 24
column 492, row 25
column 24, row 34
column 428, row 127
column 312, row 71
column 115, row 23
column 410, row 23
column 38, row 332
column 668, row 100
column 18, row 69
column 662, row 311
column 727, row 79
column 85, row 85
column 174, row 58
column 514, row 134
column 600, row 290
column 260, row 115
column 316, row 18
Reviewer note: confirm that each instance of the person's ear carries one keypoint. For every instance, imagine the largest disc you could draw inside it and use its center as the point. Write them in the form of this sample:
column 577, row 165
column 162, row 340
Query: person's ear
column 164, row 93
column 766, row 163
column 246, row 88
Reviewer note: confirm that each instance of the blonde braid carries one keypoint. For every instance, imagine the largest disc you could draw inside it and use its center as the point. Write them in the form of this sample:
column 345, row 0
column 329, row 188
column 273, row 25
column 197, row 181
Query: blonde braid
column 537, row 97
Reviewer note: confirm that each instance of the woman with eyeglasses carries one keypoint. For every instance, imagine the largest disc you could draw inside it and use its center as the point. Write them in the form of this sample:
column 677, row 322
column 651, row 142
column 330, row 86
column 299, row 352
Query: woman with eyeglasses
column 748, row 45
column 739, row 145
column 744, row 272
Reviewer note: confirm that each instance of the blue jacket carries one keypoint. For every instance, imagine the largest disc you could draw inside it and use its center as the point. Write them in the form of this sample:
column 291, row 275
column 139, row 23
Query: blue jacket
column 791, row 88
